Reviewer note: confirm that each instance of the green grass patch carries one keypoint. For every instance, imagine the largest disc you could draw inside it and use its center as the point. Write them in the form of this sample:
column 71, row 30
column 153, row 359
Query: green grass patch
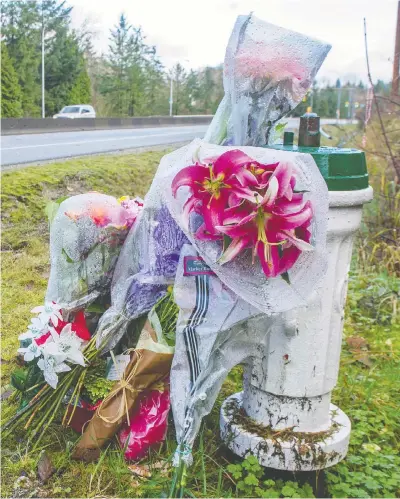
column 368, row 388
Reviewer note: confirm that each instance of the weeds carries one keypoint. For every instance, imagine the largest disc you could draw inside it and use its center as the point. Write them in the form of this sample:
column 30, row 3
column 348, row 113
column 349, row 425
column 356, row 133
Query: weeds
column 369, row 394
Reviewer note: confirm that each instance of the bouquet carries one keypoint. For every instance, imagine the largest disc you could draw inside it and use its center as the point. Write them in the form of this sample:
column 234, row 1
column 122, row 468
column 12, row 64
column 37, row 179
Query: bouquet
column 147, row 369
column 257, row 217
column 145, row 269
column 267, row 71
column 51, row 343
column 86, row 236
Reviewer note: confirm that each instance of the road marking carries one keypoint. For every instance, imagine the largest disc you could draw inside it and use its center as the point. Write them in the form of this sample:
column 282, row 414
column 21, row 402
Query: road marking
column 99, row 140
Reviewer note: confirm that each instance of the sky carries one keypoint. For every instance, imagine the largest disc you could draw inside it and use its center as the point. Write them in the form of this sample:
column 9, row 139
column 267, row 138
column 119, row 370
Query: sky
column 195, row 32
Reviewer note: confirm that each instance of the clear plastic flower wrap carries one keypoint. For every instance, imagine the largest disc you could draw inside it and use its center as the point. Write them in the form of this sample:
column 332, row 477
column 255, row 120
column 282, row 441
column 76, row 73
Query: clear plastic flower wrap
column 242, row 275
column 86, row 236
column 267, row 71
column 146, row 266
column 215, row 331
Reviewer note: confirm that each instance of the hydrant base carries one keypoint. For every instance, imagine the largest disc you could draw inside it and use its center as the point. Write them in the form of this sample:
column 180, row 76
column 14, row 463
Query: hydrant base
column 284, row 449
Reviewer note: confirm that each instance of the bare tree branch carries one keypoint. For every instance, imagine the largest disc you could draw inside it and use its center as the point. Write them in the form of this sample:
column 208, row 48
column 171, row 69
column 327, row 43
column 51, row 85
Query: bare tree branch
column 396, row 166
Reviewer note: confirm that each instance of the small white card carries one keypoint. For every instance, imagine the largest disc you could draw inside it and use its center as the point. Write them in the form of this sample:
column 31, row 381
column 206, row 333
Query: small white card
column 116, row 366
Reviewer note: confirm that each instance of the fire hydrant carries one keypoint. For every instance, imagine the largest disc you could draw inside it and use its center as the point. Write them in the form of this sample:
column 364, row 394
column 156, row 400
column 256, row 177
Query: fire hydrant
column 284, row 416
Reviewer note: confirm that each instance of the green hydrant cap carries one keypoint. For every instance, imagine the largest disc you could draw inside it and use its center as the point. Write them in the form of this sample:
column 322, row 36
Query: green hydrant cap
column 342, row 169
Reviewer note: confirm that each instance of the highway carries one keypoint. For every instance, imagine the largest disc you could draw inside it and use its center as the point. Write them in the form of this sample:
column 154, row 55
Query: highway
column 35, row 148
column 32, row 148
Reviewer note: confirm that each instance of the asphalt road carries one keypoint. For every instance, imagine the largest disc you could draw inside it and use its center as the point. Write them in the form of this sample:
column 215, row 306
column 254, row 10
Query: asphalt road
column 33, row 148
column 19, row 149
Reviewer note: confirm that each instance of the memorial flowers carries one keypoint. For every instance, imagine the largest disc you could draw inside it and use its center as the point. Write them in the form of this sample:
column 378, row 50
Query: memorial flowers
column 51, row 342
column 255, row 205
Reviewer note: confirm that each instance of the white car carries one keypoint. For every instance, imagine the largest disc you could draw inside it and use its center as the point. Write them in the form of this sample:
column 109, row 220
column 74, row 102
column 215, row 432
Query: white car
column 76, row 111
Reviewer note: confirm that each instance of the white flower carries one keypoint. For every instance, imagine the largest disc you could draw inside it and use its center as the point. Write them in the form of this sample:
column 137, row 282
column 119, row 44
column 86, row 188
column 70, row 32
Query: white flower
column 50, row 367
column 31, row 351
column 48, row 312
column 69, row 344
column 51, row 350
column 35, row 329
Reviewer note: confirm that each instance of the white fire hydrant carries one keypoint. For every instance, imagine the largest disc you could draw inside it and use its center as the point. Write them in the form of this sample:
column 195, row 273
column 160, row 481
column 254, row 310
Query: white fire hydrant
column 284, row 416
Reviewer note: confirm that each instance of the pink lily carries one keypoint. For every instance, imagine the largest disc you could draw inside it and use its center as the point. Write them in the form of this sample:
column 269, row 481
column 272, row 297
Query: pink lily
column 276, row 228
column 213, row 185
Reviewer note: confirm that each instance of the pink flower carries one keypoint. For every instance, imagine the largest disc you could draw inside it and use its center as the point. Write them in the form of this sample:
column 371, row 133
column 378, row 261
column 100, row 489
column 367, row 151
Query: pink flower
column 276, row 227
column 213, row 186
column 254, row 204
column 271, row 67
column 132, row 209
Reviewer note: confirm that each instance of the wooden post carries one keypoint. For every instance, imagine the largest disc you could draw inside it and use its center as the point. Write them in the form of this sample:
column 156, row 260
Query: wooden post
column 396, row 59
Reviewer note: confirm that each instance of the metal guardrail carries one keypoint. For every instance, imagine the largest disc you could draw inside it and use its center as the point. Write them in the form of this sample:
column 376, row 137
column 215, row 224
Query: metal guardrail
column 17, row 126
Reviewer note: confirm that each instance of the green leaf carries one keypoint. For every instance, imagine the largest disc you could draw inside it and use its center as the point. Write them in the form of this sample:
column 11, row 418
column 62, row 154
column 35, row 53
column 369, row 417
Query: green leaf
column 289, row 491
column 18, row 379
column 95, row 308
column 67, row 257
column 226, row 242
column 359, row 493
column 285, row 277
column 241, row 485
column 372, row 484
column 280, row 126
column 307, row 491
column 267, row 493
column 251, row 479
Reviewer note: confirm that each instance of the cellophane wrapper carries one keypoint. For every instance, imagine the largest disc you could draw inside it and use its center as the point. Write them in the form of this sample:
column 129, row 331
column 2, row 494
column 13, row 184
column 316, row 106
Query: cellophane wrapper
column 267, row 72
column 148, row 427
column 86, row 237
column 216, row 330
column 146, row 266
column 244, row 278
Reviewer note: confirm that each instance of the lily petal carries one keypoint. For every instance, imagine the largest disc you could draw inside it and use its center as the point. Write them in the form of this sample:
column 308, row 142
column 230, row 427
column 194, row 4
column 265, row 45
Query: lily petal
column 291, row 221
column 271, row 266
column 236, row 246
column 188, row 176
column 299, row 243
column 245, row 177
column 213, row 213
column 204, row 235
column 288, row 259
column 229, row 162
column 285, row 207
column 272, row 191
column 283, row 174
column 236, row 231
column 188, row 207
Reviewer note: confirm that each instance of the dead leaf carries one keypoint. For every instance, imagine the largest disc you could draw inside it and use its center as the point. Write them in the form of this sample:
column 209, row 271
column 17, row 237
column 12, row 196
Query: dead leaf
column 70, row 189
column 359, row 349
column 357, row 342
column 135, row 484
column 364, row 359
column 142, row 471
column 45, row 467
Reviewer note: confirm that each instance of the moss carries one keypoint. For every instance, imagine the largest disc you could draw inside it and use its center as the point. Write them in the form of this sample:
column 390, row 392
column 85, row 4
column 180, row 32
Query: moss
column 239, row 417
column 304, row 445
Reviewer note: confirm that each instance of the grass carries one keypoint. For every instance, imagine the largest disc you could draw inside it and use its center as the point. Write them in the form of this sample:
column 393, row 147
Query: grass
column 368, row 388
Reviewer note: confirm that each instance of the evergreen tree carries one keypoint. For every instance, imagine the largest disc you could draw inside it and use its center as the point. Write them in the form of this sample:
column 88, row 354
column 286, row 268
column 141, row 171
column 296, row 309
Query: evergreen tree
column 11, row 95
column 81, row 91
column 133, row 82
column 22, row 36
column 179, row 79
column 64, row 65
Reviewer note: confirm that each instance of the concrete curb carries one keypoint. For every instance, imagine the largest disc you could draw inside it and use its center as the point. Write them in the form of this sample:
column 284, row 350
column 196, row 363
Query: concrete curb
column 18, row 126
